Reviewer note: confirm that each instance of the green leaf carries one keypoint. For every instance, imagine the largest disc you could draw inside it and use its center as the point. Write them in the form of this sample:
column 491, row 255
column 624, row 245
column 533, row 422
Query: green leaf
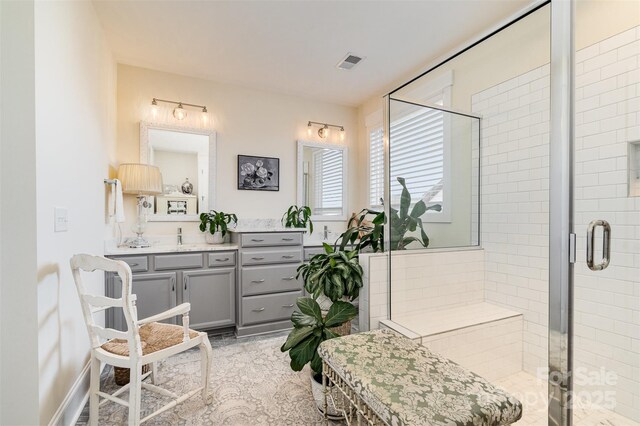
column 304, row 351
column 339, row 313
column 405, row 199
column 299, row 319
column 316, row 363
column 327, row 248
column 418, row 209
column 309, row 307
column 296, row 336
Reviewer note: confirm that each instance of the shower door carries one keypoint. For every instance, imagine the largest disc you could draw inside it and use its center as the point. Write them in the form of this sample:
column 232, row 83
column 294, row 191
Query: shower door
column 606, row 213
column 595, row 254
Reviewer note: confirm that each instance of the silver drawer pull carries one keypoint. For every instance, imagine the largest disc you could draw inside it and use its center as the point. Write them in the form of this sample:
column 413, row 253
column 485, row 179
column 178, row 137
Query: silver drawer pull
column 222, row 260
column 133, row 264
column 258, row 281
column 287, row 239
column 288, row 306
column 258, row 310
column 257, row 240
column 257, row 258
column 287, row 256
column 289, row 278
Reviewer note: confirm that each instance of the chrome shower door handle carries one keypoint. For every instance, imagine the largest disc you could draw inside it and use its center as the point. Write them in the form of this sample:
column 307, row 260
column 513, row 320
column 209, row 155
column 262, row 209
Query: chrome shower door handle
column 606, row 244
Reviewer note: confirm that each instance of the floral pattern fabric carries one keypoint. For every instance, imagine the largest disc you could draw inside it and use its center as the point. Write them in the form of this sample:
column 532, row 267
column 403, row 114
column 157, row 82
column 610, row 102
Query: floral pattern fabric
column 406, row 384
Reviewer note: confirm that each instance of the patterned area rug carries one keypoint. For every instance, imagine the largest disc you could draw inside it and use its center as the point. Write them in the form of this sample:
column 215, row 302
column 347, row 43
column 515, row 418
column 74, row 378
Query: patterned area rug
column 251, row 384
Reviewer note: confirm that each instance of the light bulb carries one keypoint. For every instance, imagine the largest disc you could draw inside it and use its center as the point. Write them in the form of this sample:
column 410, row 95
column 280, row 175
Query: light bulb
column 309, row 129
column 342, row 134
column 179, row 113
column 323, row 132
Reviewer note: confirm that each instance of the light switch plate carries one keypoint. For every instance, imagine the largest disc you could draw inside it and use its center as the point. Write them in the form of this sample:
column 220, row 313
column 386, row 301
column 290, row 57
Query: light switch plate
column 61, row 219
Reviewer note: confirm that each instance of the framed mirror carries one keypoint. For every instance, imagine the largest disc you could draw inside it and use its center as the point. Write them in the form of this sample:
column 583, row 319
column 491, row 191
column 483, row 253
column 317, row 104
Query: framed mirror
column 186, row 158
column 322, row 180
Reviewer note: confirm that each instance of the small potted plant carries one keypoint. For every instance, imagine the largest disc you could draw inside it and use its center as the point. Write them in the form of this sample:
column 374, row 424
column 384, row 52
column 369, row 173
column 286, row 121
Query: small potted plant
column 298, row 217
column 215, row 225
column 310, row 328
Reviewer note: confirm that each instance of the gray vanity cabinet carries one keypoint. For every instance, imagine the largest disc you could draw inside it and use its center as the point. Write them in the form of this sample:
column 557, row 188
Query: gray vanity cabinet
column 267, row 284
column 155, row 293
column 207, row 280
column 212, row 296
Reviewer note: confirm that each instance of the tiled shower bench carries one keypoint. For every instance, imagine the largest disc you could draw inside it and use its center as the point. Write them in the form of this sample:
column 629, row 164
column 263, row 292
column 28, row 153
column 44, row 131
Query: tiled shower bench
column 478, row 336
column 387, row 379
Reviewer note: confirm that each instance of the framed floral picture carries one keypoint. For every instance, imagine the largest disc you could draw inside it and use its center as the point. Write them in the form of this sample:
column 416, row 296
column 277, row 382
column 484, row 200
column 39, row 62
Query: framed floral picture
column 258, row 173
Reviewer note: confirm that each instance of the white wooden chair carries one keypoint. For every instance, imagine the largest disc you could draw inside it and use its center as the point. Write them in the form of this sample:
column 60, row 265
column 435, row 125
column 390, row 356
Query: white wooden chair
column 146, row 341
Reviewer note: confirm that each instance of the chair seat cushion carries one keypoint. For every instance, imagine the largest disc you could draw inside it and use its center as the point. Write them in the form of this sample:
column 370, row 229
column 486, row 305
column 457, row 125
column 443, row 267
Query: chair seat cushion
column 154, row 337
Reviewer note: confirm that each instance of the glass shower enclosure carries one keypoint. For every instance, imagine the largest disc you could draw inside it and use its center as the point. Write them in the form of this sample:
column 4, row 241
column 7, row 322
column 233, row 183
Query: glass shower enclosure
column 513, row 188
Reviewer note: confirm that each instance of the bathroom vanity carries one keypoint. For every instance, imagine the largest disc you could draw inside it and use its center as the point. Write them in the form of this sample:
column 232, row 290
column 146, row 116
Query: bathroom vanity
column 249, row 285
column 162, row 280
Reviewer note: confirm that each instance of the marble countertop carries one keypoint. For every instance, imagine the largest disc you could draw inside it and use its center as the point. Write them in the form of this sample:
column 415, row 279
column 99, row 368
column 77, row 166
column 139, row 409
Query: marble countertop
column 244, row 230
column 169, row 248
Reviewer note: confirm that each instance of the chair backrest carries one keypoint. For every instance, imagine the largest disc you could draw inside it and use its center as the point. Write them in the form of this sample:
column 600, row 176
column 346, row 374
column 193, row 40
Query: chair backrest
column 92, row 303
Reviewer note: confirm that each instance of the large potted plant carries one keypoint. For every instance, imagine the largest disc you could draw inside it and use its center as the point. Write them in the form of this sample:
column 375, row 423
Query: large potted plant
column 310, row 328
column 298, row 217
column 362, row 233
column 215, row 225
column 332, row 276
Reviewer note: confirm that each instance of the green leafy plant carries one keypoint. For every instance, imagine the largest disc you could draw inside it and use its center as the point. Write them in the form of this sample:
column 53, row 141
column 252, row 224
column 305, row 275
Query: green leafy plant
column 360, row 234
column 335, row 274
column 298, row 217
column 217, row 221
column 310, row 329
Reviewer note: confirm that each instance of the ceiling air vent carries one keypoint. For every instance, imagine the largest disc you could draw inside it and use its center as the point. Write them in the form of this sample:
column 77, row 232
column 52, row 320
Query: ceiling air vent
column 349, row 61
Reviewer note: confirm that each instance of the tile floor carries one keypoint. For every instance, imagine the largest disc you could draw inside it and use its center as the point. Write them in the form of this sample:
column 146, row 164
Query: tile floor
column 532, row 392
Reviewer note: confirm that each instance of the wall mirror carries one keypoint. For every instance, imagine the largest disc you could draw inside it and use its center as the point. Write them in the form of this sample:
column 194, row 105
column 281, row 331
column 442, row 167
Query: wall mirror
column 186, row 158
column 322, row 180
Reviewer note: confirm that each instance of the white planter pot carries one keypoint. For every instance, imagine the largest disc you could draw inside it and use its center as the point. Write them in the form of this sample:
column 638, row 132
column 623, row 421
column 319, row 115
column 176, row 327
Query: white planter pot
column 215, row 238
column 318, row 396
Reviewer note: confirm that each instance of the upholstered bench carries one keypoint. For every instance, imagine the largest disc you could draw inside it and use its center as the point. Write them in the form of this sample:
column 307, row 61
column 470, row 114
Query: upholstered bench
column 387, row 379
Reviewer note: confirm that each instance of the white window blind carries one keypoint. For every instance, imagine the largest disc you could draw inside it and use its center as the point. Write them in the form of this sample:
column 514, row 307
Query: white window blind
column 376, row 167
column 328, row 184
column 417, row 155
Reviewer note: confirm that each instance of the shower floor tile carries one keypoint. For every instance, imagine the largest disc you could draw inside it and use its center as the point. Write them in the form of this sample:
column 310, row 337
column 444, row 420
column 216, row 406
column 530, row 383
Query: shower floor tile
column 532, row 392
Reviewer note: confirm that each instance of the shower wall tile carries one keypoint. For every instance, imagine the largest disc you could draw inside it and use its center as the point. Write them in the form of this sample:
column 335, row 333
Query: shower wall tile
column 515, row 195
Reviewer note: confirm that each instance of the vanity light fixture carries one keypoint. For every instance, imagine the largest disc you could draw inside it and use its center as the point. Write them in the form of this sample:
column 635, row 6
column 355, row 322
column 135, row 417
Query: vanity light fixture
column 323, row 131
column 179, row 112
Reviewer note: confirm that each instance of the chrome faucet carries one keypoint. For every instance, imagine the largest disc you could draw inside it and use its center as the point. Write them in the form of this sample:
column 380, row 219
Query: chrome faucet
column 179, row 236
column 326, row 232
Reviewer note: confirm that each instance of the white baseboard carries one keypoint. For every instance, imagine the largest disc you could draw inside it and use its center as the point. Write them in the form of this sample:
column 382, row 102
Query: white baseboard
column 68, row 413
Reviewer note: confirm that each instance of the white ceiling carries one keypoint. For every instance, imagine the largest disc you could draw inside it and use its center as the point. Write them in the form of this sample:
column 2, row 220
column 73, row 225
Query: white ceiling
column 293, row 46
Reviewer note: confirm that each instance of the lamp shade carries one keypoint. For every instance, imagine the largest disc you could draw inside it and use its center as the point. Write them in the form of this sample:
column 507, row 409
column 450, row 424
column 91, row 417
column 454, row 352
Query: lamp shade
column 140, row 179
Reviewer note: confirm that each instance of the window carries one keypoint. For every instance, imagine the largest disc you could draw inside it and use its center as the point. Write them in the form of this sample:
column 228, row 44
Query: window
column 419, row 151
column 417, row 154
column 327, row 164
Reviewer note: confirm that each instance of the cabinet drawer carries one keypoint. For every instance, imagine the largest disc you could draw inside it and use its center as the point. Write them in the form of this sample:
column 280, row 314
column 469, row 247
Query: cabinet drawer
column 270, row 307
column 271, row 256
column 137, row 263
column 272, row 239
column 178, row 261
column 309, row 252
column 270, row 279
column 222, row 259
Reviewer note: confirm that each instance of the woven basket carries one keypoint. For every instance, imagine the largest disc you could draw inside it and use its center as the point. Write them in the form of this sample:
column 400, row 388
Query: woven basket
column 121, row 375
column 342, row 330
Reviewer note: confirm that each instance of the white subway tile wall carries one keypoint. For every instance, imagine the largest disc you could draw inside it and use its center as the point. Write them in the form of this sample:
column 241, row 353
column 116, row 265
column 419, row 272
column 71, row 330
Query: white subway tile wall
column 514, row 222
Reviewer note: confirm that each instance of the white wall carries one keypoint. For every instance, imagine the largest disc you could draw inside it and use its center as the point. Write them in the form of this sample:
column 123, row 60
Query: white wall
column 18, row 304
column 75, row 125
column 247, row 121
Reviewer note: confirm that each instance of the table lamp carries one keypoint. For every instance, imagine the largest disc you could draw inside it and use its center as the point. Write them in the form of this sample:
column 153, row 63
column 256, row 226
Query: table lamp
column 141, row 180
